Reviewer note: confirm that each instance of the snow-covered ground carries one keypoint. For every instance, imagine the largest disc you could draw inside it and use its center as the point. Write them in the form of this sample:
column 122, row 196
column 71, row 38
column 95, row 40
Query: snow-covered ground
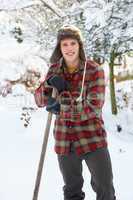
column 20, row 149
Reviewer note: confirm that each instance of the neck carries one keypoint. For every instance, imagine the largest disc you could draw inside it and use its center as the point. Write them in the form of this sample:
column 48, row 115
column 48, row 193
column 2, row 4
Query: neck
column 72, row 64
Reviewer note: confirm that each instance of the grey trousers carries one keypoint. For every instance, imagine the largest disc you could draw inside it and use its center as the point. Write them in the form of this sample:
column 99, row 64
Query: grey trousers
column 99, row 165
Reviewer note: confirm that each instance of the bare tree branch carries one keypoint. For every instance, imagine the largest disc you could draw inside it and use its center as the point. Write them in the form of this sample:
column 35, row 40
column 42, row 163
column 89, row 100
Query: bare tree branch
column 49, row 7
column 45, row 4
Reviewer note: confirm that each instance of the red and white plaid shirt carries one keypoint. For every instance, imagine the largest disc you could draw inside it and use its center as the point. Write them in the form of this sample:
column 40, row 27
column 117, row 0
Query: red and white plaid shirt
column 87, row 132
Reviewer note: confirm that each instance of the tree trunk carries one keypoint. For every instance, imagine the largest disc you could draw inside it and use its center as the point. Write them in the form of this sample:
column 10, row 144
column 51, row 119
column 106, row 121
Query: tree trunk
column 112, row 84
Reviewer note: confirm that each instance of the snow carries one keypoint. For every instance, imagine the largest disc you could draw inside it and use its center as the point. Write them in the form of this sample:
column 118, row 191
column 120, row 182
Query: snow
column 20, row 147
column 19, row 4
column 15, row 4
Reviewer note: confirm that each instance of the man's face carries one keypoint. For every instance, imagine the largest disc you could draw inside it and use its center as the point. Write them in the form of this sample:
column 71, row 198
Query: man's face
column 70, row 50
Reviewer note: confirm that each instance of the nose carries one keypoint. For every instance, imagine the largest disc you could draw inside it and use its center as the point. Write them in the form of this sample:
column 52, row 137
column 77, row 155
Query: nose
column 70, row 47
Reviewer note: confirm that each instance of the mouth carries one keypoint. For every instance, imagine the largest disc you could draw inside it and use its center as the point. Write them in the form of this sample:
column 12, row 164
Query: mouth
column 70, row 54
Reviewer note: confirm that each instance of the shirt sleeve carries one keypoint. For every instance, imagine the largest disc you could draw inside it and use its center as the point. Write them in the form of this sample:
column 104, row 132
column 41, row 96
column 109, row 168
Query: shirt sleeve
column 95, row 95
column 42, row 93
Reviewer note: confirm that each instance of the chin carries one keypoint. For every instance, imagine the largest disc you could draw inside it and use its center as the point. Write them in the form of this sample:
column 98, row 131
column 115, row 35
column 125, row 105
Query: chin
column 71, row 59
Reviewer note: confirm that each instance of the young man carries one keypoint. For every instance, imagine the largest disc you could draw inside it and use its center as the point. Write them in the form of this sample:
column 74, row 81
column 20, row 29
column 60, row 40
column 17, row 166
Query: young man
column 79, row 128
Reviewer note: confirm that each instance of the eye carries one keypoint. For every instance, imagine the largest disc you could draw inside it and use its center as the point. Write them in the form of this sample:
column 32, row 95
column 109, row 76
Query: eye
column 73, row 43
column 64, row 44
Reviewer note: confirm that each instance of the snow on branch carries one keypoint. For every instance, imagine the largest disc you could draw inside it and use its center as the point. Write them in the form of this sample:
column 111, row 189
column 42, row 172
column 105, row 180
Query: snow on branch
column 15, row 5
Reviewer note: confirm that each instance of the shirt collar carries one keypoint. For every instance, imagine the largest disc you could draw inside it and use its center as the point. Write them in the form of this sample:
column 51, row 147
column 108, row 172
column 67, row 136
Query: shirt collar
column 63, row 66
